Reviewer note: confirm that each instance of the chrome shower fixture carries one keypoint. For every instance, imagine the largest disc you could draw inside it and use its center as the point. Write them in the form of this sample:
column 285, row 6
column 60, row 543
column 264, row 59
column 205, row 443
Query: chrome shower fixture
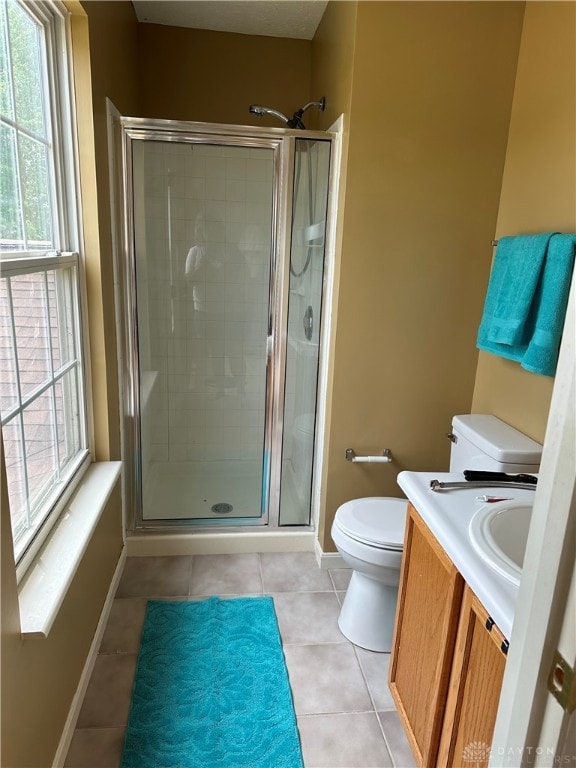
column 255, row 109
column 292, row 122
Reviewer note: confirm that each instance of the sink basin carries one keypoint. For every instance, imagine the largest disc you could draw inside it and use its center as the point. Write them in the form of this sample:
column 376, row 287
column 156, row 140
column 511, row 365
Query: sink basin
column 499, row 533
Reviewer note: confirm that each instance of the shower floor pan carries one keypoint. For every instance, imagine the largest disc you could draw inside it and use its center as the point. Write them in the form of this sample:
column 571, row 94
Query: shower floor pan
column 193, row 491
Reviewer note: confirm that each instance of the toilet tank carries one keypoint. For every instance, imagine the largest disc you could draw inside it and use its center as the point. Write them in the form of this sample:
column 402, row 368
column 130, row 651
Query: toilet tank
column 484, row 442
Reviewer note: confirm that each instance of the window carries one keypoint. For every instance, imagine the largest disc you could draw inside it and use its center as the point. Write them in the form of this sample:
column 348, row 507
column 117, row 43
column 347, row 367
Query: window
column 42, row 400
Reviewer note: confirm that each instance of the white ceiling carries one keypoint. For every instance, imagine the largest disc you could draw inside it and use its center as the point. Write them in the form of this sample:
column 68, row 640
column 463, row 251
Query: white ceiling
column 273, row 18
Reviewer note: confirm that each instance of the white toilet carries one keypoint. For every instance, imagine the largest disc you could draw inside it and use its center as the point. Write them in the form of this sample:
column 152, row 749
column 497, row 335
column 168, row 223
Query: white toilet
column 369, row 532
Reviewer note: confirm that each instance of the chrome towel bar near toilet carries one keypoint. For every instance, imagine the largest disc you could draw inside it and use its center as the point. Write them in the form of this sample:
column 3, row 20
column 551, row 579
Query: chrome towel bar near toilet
column 385, row 458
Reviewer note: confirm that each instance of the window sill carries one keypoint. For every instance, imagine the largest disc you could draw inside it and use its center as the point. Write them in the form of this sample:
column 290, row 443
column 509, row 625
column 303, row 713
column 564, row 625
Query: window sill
column 46, row 583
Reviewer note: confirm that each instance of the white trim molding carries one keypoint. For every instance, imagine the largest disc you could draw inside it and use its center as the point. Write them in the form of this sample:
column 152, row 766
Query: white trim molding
column 46, row 582
column 328, row 560
column 219, row 543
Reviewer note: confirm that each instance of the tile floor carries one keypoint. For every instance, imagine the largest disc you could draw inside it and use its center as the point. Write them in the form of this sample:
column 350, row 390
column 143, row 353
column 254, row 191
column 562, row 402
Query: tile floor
column 346, row 716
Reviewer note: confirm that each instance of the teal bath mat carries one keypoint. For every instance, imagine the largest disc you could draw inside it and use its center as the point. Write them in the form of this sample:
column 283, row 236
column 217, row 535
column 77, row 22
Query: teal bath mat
column 211, row 689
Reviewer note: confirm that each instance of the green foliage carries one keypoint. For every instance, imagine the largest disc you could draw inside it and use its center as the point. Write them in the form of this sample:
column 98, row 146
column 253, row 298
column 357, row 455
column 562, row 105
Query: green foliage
column 25, row 198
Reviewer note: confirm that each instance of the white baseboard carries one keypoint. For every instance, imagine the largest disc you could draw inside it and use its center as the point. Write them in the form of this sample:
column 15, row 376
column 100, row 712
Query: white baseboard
column 78, row 699
column 328, row 560
column 219, row 543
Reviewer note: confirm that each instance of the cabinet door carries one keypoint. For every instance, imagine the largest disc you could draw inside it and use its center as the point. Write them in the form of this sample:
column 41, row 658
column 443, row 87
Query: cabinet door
column 474, row 691
column 424, row 637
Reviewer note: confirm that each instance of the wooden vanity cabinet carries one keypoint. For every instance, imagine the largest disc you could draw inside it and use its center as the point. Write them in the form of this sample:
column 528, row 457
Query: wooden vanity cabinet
column 424, row 637
column 447, row 657
column 474, row 691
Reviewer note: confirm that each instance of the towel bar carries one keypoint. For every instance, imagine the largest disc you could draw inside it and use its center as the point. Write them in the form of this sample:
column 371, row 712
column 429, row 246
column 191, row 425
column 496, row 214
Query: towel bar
column 385, row 458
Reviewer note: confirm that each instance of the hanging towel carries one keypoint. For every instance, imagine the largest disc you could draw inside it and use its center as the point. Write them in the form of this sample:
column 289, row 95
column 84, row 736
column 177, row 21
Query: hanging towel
column 515, row 352
column 538, row 346
column 513, row 281
column 549, row 306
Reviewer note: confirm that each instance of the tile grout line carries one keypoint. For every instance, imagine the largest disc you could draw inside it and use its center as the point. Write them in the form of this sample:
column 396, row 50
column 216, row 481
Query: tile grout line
column 262, row 591
column 332, row 582
column 390, row 751
column 364, row 678
column 380, row 725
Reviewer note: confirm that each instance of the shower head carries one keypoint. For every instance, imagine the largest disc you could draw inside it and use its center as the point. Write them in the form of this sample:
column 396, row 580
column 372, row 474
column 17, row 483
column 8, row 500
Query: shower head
column 256, row 109
column 292, row 122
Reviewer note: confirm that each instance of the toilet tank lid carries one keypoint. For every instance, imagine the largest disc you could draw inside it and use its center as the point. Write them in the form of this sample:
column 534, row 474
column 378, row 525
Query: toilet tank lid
column 497, row 439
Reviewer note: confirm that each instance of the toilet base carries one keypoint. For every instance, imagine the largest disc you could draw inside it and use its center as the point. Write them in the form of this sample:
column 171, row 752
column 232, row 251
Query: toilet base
column 368, row 612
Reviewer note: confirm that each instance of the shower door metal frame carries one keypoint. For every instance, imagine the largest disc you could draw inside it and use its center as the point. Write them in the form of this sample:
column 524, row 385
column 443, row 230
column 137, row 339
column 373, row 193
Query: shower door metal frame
column 282, row 141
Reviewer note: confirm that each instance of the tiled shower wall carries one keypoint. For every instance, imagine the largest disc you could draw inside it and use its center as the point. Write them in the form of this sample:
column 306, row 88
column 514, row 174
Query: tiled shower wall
column 202, row 281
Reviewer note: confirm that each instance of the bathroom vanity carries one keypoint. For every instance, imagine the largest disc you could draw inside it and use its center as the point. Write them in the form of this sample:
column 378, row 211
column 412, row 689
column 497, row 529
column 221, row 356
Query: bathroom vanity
column 454, row 616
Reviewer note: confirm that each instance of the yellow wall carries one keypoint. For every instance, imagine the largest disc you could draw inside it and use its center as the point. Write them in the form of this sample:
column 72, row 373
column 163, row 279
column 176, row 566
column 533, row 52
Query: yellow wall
column 538, row 190
column 196, row 74
column 333, row 62
column 428, row 121
column 114, row 68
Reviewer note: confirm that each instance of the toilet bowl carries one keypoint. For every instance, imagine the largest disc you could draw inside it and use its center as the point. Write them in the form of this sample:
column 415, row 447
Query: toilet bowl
column 369, row 535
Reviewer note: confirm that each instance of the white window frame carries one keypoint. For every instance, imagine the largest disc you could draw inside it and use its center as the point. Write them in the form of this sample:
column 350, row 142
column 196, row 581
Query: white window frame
column 58, row 86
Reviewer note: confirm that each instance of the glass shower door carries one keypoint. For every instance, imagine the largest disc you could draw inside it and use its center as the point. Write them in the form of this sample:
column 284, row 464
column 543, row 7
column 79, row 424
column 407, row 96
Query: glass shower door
column 306, row 276
column 203, row 245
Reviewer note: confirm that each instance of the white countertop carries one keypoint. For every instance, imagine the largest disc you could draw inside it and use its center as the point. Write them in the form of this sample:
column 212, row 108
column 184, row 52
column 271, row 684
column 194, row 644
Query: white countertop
column 448, row 513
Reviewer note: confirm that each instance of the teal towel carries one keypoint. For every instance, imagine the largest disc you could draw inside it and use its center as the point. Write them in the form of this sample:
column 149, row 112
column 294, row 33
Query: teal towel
column 549, row 306
column 516, row 352
column 537, row 345
column 513, row 281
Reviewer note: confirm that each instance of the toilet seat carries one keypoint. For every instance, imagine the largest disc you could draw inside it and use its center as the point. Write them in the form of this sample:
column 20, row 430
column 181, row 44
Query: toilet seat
column 376, row 521
column 369, row 536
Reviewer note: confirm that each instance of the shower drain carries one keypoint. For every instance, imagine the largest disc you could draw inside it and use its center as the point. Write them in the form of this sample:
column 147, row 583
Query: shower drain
column 223, row 508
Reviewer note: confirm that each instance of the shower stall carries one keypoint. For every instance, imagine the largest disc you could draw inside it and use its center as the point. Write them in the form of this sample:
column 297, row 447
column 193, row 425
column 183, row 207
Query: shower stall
column 220, row 281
